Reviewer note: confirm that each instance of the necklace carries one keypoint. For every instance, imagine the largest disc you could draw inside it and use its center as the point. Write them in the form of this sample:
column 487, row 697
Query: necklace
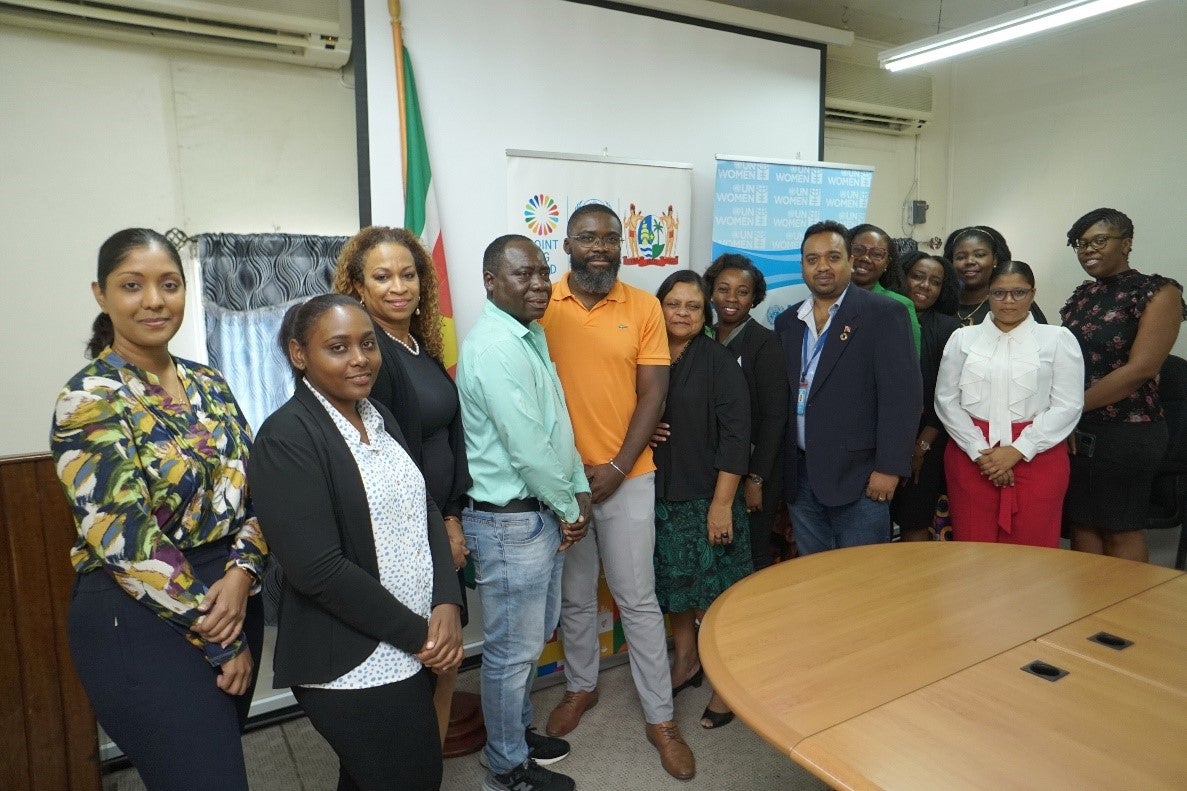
column 682, row 351
column 967, row 318
column 414, row 349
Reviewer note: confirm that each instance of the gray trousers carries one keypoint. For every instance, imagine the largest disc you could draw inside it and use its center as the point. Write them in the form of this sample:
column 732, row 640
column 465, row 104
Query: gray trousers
column 623, row 535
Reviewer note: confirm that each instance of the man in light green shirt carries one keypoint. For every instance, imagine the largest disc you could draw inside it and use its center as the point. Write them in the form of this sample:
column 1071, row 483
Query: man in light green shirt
column 529, row 502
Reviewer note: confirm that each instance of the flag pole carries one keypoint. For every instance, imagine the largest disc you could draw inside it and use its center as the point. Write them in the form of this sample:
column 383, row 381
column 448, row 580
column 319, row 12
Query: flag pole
column 393, row 10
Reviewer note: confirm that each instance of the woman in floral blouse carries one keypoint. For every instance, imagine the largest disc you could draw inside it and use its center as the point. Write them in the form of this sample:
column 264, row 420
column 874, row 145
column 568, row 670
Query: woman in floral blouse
column 152, row 452
column 1126, row 323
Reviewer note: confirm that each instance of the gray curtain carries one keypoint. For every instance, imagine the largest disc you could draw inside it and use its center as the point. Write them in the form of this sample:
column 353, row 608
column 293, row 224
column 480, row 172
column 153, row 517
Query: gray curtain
column 248, row 282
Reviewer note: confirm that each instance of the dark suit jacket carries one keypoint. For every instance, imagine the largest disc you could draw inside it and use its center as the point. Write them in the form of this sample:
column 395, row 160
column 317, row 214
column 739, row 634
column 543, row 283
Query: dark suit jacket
column 313, row 511
column 866, row 398
column 708, row 410
column 766, row 375
column 393, row 388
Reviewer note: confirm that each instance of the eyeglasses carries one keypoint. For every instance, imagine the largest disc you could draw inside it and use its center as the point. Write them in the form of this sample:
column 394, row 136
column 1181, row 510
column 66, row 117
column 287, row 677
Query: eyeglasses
column 591, row 240
column 875, row 254
column 1000, row 294
column 1095, row 243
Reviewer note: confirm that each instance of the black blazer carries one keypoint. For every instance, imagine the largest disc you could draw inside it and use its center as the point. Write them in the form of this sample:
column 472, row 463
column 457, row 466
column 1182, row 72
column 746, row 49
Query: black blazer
column 866, row 398
column 763, row 365
column 935, row 329
column 708, row 410
column 393, row 388
column 313, row 511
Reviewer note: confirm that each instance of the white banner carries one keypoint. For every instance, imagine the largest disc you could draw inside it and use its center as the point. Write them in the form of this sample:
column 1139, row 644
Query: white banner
column 652, row 199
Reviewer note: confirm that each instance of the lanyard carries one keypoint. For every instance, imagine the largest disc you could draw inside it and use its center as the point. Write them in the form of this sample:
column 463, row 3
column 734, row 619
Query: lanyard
column 805, row 360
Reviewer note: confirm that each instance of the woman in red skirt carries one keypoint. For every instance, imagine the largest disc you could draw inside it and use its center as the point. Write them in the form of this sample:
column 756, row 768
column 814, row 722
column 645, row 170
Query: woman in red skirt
column 1009, row 392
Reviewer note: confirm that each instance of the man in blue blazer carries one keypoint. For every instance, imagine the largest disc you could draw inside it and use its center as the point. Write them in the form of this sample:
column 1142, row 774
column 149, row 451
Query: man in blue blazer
column 856, row 397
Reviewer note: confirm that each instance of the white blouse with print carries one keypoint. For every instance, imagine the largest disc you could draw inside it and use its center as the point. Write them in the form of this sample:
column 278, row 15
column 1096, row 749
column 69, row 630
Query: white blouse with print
column 1034, row 372
column 399, row 523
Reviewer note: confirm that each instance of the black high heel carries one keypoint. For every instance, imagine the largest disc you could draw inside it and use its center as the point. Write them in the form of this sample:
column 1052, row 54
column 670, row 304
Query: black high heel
column 716, row 718
column 693, row 681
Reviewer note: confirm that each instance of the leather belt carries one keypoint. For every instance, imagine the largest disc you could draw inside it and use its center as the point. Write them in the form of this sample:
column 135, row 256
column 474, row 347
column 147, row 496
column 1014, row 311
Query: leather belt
column 522, row 506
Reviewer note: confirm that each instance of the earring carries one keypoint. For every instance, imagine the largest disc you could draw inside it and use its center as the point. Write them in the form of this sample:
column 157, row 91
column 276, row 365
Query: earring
column 417, row 311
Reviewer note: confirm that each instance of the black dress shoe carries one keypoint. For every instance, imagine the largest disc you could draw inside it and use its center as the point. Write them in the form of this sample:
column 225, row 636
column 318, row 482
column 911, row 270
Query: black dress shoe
column 692, row 681
column 715, row 718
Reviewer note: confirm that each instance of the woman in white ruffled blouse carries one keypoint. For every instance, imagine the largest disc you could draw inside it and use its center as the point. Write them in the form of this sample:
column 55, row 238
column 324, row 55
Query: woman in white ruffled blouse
column 1009, row 392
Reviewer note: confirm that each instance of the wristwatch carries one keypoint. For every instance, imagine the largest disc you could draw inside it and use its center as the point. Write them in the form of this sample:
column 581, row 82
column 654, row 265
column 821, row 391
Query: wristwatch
column 755, row 478
column 924, row 445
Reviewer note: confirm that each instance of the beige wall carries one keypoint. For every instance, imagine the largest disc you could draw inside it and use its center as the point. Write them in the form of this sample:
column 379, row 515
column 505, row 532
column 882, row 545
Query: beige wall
column 100, row 136
column 1094, row 116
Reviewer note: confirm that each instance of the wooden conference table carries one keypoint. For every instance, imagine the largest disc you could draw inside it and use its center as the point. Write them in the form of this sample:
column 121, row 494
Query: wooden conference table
column 900, row 666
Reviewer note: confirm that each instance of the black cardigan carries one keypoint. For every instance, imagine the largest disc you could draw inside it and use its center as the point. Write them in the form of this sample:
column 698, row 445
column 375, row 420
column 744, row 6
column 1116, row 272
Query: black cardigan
column 393, row 388
column 761, row 356
column 935, row 330
column 313, row 511
column 708, row 410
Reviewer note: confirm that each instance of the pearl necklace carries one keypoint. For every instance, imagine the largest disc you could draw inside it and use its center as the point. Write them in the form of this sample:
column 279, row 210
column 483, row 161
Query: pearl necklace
column 414, row 349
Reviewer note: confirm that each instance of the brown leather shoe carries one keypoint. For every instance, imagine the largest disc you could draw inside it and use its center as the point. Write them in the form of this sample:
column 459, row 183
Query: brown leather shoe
column 567, row 714
column 674, row 752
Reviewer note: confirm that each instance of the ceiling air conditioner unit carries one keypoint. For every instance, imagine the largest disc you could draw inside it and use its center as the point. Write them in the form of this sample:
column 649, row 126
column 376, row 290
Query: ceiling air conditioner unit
column 305, row 32
column 872, row 99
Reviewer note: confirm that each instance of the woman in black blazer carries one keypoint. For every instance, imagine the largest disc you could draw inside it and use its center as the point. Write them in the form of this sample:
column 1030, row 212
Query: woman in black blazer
column 737, row 286
column 391, row 273
column 370, row 602
column 931, row 283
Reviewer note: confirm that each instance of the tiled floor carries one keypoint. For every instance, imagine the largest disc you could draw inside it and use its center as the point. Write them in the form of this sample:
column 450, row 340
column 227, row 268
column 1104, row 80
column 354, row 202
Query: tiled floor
column 609, row 748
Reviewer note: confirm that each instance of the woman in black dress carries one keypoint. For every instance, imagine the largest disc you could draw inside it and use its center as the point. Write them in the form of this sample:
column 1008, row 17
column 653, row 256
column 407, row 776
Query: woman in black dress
column 702, row 541
column 975, row 252
column 389, row 271
column 931, row 285
column 737, row 286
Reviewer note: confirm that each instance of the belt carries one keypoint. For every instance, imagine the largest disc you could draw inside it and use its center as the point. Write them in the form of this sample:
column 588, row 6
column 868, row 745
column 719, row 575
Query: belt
column 521, row 506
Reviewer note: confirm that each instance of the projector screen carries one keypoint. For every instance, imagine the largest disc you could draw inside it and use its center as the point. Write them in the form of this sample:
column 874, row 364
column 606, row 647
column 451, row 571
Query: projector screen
column 551, row 75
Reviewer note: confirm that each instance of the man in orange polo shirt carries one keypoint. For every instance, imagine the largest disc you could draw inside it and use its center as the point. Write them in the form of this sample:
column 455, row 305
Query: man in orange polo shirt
column 611, row 353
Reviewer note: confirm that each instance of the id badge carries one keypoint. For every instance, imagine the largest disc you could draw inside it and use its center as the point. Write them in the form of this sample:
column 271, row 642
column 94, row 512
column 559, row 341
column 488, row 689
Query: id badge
column 801, row 399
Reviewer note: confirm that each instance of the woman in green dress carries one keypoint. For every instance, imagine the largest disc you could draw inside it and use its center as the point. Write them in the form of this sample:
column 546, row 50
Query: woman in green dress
column 702, row 541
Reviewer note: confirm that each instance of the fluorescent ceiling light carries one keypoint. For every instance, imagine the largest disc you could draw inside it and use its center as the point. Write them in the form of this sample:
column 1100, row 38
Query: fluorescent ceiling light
column 997, row 30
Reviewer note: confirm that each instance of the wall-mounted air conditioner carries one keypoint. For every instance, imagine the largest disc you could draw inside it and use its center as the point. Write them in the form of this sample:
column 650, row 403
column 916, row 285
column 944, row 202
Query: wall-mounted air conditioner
column 871, row 99
column 306, row 32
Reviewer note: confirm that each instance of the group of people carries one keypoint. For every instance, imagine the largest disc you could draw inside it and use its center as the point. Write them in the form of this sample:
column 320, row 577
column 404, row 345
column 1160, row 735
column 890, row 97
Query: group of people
column 592, row 425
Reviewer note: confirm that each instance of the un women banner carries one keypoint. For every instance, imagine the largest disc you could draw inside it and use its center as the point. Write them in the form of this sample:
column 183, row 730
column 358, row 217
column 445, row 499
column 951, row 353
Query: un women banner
column 652, row 199
column 762, row 207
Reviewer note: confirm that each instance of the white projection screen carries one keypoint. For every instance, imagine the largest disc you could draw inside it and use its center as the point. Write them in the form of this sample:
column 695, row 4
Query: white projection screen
column 551, row 75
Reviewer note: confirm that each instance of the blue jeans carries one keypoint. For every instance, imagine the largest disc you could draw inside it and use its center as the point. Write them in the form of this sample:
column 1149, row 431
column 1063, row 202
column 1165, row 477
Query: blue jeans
column 818, row 527
column 518, row 572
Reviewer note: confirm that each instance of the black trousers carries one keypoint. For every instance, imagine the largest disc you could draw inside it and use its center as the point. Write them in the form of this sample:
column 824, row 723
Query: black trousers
column 153, row 692
column 386, row 737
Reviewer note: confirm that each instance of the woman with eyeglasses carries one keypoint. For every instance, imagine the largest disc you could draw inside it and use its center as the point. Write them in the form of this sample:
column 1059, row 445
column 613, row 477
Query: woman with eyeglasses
column 1009, row 392
column 975, row 252
column 871, row 250
column 931, row 286
column 1126, row 323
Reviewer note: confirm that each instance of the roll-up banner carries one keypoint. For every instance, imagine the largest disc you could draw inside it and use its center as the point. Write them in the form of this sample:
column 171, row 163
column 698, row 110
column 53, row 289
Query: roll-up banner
column 652, row 199
column 762, row 207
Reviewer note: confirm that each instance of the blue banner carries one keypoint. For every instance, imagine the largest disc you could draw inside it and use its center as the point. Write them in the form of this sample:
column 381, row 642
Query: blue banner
column 761, row 210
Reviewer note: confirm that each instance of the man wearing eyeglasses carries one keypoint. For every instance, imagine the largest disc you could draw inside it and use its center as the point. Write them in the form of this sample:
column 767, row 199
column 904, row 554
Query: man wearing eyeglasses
column 857, row 395
column 610, row 348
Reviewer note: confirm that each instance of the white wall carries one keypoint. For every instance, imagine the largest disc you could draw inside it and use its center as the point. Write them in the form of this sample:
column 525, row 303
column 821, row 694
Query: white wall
column 100, row 136
column 1045, row 131
column 564, row 77
column 905, row 167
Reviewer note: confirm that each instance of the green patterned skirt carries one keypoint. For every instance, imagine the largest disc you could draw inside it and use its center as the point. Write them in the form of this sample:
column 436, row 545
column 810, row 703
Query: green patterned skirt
column 689, row 573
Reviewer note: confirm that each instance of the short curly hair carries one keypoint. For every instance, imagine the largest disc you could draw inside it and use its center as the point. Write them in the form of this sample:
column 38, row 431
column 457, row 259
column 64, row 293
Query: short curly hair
column 348, row 278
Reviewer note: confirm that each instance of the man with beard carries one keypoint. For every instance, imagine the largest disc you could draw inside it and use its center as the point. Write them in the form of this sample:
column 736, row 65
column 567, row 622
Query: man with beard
column 611, row 352
column 856, row 399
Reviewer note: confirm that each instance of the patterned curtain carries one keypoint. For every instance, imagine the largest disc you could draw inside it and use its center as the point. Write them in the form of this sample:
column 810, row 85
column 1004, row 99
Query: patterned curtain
column 248, row 282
